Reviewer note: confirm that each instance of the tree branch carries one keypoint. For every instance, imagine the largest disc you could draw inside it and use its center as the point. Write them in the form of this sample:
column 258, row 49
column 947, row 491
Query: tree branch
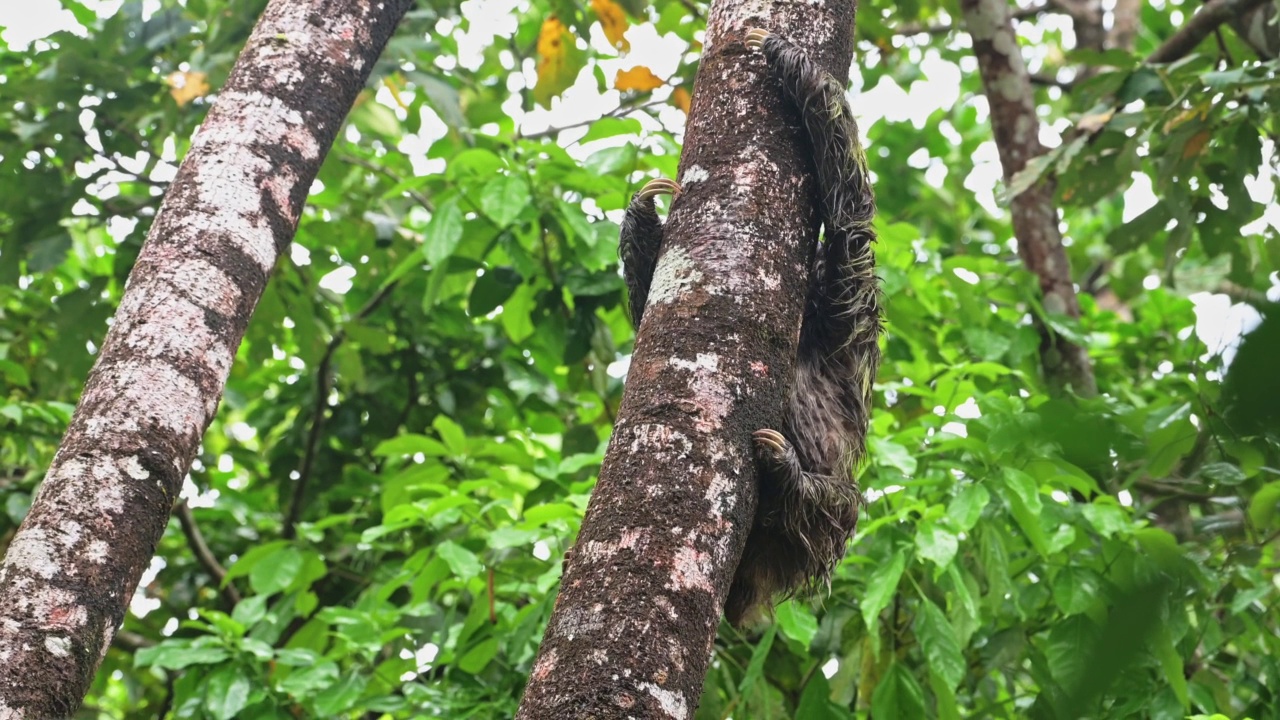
column 1016, row 130
column 633, row 628
column 163, row 366
column 195, row 539
column 324, row 382
column 946, row 28
column 1199, row 27
column 620, row 111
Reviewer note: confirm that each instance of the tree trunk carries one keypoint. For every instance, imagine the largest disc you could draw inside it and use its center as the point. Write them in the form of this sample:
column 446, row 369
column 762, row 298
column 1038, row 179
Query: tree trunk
column 73, row 565
column 1035, row 214
column 644, row 587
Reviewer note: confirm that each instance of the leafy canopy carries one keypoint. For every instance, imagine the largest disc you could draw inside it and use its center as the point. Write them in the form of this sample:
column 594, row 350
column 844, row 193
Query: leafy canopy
column 437, row 364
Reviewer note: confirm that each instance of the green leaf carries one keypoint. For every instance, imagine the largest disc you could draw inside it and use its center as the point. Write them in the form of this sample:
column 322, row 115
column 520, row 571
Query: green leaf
column 492, row 289
column 1171, row 664
column 797, row 622
column 411, row 444
column 1068, row 646
column 1107, row 517
column 880, row 589
column 1023, row 497
column 452, row 435
column 251, row 558
column 898, row 695
column 1075, row 590
column 941, row 647
column 443, row 232
column 479, row 656
column 226, row 693
column 755, row 668
column 443, row 97
column 1222, row 473
column 815, row 702
column 607, row 127
column 504, row 198
column 276, row 571
column 937, row 544
column 178, row 654
column 966, row 507
column 1264, row 504
column 341, row 696
column 462, row 562
column 891, row 454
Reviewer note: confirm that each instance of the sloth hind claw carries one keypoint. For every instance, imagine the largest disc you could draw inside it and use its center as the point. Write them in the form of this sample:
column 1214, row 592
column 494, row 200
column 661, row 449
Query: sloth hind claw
column 773, row 448
column 659, row 186
column 756, row 37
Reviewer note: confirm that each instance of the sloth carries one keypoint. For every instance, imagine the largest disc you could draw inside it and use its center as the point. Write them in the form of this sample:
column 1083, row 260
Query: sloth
column 809, row 499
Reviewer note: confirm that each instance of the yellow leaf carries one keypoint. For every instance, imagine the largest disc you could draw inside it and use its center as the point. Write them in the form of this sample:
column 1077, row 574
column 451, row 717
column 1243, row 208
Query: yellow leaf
column 1198, row 112
column 613, row 21
column 638, row 78
column 1195, row 144
column 1093, row 123
column 680, row 98
column 394, row 88
column 187, row 86
column 559, row 61
column 551, row 39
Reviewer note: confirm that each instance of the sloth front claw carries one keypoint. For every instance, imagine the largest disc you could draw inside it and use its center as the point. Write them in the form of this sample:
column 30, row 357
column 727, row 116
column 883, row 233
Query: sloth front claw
column 659, row 186
column 772, row 448
column 756, row 38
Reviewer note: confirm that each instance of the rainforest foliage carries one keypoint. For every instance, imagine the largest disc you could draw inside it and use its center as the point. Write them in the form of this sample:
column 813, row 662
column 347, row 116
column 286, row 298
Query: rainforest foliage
column 411, row 431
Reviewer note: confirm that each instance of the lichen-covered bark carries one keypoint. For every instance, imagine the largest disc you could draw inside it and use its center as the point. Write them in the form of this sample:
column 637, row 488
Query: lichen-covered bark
column 72, row 567
column 633, row 627
column 1035, row 214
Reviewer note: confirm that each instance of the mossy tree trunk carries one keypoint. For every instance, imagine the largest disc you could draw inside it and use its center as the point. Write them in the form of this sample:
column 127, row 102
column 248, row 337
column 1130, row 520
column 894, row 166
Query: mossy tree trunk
column 644, row 586
column 71, row 569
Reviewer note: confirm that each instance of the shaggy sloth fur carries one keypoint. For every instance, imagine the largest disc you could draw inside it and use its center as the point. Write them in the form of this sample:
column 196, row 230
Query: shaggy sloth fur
column 809, row 500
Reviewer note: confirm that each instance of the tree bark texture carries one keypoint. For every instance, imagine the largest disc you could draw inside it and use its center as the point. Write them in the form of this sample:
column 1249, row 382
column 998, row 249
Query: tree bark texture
column 73, row 565
column 1126, row 18
column 1035, row 214
column 632, row 631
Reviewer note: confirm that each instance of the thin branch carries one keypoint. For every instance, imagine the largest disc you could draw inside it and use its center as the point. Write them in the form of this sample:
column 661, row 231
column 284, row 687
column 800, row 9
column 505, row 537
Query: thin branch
column 1046, row 80
column 1199, row 27
column 386, row 172
column 1242, row 294
column 324, row 382
column 620, row 111
column 946, row 28
column 131, row 641
column 204, row 555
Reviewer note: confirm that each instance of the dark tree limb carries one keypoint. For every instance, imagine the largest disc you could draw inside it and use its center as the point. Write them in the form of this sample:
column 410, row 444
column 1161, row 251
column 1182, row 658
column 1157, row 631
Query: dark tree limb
column 1035, row 214
column 947, row 28
column 320, row 406
column 1200, row 26
column 643, row 590
column 233, row 207
column 205, row 556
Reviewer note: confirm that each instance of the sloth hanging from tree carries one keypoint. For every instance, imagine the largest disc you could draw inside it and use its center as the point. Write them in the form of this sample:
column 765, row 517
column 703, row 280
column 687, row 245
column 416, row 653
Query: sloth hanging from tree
column 809, row 500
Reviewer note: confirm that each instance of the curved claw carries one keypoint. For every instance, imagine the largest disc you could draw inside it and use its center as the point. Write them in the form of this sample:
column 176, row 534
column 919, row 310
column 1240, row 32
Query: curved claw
column 756, row 37
column 771, row 439
column 659, row 186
